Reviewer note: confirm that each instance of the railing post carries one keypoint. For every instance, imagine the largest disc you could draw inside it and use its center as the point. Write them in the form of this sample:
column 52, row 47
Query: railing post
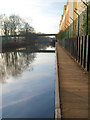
column 82, row 51
column 78, row 49
column 83, row 58
column 87, row 53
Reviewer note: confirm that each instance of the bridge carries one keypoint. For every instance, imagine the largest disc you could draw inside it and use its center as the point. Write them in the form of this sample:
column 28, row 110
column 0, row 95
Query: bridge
column 46, row 34
column 22, row 35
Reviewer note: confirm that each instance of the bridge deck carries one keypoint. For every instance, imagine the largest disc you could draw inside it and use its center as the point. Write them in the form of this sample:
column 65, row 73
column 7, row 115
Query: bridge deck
column 41, row 51
column 73, row 87
column 23, row 35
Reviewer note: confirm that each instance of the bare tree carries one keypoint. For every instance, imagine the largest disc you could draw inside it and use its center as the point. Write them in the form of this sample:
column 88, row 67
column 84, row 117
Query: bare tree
column 15, row 24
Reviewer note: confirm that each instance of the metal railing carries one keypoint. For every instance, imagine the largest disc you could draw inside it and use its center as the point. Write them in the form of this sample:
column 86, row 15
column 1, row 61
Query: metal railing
column 78, row 48
column 76, row 40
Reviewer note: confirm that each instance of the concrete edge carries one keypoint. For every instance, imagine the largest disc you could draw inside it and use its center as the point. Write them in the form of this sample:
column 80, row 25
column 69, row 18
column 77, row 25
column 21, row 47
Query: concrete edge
column 57, row 97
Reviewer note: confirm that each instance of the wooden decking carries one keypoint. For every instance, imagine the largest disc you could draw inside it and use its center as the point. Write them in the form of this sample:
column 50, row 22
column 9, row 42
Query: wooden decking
column 73, row 86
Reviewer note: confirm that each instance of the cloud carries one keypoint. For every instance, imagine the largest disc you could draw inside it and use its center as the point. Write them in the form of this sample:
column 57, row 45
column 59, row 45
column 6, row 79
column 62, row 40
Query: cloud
column 17, row 101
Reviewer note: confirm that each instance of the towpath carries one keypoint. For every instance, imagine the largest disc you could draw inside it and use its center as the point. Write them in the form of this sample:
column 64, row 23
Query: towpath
column 73, row 83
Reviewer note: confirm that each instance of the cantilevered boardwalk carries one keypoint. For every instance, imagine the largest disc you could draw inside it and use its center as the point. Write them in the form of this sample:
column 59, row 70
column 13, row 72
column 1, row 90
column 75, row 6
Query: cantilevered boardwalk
column 73, row 87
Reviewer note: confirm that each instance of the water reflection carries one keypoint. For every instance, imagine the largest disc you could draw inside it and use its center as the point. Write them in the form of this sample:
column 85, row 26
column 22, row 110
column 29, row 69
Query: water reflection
column 14, row 63
column 28, row 84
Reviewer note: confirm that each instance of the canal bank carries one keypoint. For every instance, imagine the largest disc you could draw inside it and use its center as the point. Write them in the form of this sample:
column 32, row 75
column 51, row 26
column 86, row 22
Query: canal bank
column 57, row 92
column 73, row 86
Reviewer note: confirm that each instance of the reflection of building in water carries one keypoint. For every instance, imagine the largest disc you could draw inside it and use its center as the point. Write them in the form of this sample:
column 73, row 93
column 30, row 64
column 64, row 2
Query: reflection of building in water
column 14, row 63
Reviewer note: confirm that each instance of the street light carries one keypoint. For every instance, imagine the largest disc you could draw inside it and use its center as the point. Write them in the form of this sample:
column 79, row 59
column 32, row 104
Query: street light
column 87, row 15
column 78, row 20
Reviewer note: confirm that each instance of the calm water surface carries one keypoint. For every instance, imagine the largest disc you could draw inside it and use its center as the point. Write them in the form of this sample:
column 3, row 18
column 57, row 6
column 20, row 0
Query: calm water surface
column 28, row 82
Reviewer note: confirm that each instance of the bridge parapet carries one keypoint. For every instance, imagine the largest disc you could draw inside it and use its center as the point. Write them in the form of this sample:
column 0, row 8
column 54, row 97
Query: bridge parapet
column 22, row 35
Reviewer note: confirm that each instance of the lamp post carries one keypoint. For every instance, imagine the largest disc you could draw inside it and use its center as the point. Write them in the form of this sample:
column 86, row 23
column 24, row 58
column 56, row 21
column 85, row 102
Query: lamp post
column 78, row 21
column 87, row 16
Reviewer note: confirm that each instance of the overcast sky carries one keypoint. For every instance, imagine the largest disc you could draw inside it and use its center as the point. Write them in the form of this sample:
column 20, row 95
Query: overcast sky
column 44, row 15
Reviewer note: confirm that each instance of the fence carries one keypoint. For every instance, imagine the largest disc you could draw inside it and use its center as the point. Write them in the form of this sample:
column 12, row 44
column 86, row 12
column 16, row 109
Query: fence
column 79, row 48
column 75, row 39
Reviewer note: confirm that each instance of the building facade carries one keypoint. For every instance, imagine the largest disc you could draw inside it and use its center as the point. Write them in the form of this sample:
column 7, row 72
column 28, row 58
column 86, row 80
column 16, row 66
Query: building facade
column 70, row 20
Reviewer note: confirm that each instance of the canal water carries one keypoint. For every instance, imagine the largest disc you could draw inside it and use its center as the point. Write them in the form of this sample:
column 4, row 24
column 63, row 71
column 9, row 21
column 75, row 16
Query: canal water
column 28, row 84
